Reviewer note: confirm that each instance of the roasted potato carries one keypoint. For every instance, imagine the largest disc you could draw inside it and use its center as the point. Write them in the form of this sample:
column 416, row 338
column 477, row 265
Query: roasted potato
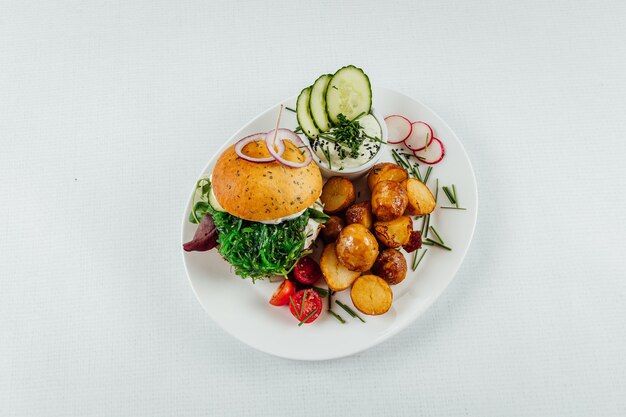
column 389, row 200
column 390, row 266
column 371, row 295
column 414, row 243
column 337, row 276
column 331, row 229
column 337, row 195
column 360, row 213
column 385, row 171
column 357, row 247
column 420, row 200
column 394, row 233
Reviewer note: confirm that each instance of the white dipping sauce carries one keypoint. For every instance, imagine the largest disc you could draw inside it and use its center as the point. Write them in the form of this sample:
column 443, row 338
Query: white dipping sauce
column 369, row 148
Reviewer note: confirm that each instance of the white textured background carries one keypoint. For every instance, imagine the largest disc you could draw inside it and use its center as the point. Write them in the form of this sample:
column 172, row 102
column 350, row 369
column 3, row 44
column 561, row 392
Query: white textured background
column 109, row 110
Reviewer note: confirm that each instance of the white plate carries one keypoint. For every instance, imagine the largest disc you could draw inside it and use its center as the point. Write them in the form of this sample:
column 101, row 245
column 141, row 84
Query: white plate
column 242, row 309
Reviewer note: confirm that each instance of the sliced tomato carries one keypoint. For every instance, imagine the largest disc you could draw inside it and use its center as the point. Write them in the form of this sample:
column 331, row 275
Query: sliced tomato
column 307, row 271
column 283, row 293
column 306, row 305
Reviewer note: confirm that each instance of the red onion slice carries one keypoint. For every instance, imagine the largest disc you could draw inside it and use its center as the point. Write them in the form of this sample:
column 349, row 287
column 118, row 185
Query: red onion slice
column 286, row 134
column 249, row 139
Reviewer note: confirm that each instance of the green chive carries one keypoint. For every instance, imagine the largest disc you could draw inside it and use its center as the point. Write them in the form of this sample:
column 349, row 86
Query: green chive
column 323, row 292
column 437, row 234
column 337, row 316
column 425, row 222
column 307, row 317
column 330, row 293
column 437, row 190
column 431, row 242
column 456, row 199
column 290, row 109
column 415, row 265
column 304, row 294
column 449, row 194
column 428, row 171
column 453, row 208
column 349, row 310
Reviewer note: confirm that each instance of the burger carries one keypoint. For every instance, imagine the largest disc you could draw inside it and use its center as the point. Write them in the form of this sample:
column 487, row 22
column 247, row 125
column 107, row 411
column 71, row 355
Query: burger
column 260, row 207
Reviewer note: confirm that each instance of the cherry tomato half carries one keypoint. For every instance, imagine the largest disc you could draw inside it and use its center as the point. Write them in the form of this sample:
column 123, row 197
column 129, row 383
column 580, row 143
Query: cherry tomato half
column 307, row 271
column 282, row 293
column 306, row 304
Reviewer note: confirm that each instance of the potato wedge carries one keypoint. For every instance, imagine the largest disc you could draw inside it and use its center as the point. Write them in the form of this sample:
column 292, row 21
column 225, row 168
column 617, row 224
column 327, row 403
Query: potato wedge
column 394, row 233
column 337, row 195
column 337, row 276
column 360, row 213
column 389, row 200
column 357, row 247
column 386, row 171
column 371, row 295
column 390, row 266
column 420, row 200
column 331, row 229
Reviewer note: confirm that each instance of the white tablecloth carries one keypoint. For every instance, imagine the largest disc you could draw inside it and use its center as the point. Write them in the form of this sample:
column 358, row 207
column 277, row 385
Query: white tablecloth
column 109, row 110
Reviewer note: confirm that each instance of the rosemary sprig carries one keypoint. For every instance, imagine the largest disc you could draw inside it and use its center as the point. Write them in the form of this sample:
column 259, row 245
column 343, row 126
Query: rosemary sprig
column 431, row 242
column 349, row 310
column 415, row 258
column 337, row 316
column 307, row 317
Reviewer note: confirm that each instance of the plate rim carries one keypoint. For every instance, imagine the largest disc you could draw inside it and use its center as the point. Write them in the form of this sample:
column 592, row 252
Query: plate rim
column 383, row 336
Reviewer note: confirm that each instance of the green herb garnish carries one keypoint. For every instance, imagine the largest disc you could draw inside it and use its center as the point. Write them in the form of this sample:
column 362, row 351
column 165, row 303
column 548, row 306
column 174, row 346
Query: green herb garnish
column 416, row 260
column 437, row 234
column 453, row 208
column 449, row 195
column 348, row 134
column 428, row 171
column 290, row 109
column 431, row 242
column 318, row 216
column 307, row 317
column 402, row 159
column 337, row 316
column 323, row 292
column 349, row 310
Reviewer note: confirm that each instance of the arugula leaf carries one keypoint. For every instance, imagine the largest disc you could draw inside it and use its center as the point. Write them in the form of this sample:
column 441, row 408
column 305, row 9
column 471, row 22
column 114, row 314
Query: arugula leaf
column 318, row 216
column 200, row 209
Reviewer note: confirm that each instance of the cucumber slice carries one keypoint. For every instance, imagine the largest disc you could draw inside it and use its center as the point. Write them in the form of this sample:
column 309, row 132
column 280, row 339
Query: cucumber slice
column 317, row 103
column 303, row 114
column 348, row 92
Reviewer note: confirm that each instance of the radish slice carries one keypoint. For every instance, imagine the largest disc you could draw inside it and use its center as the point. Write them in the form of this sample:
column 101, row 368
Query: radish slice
column 286, row 134
column 432, row 154
column 253, row 138
column 421, row 136
column 398, row 128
